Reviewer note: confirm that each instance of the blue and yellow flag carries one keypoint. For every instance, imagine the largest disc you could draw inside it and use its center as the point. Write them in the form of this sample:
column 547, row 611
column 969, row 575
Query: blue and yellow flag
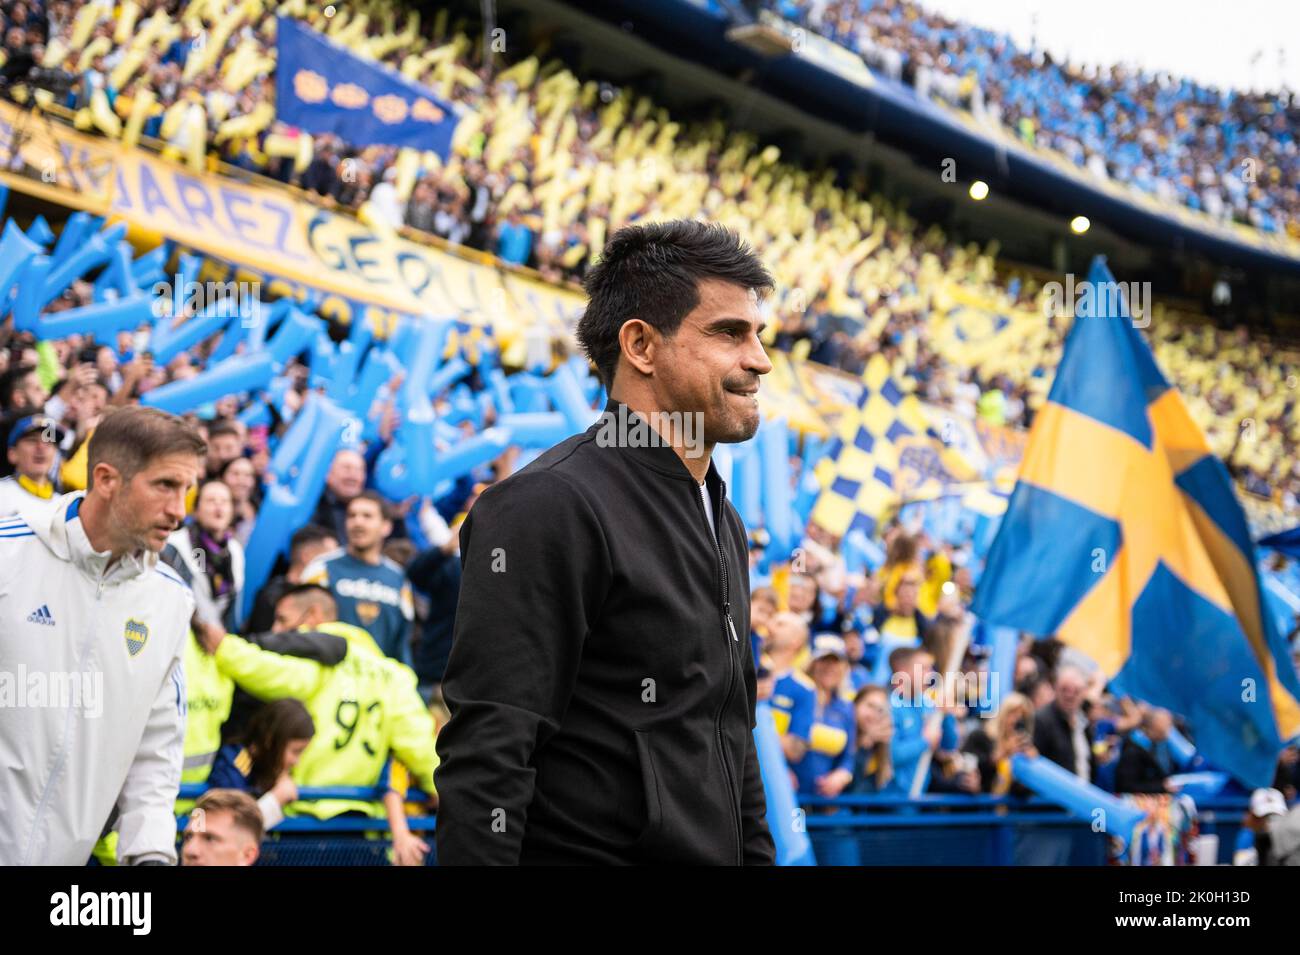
column 1123, row 538
column 322, row 87
column 883, row 452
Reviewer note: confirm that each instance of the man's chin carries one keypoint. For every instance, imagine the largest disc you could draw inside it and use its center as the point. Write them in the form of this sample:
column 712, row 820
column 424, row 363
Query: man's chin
column 737, row 428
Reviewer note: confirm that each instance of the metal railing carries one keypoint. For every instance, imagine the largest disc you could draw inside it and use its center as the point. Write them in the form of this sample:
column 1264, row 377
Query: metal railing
column 846, row 830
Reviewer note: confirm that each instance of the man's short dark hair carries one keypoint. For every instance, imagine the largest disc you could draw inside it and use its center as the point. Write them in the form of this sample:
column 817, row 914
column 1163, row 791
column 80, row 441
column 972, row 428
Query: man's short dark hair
column 9, row 383
column 312, row 595
column 385, row 509
column 306, row 535
column 223, row 426
column 652, row 272
column 130, row 437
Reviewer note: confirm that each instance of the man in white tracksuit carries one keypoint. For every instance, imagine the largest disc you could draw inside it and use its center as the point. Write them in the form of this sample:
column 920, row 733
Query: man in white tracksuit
column 92, row 631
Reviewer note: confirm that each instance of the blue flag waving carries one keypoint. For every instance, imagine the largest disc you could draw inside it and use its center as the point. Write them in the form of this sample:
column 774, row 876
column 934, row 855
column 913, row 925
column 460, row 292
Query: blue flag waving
column 1124, row 539
column 321, row 87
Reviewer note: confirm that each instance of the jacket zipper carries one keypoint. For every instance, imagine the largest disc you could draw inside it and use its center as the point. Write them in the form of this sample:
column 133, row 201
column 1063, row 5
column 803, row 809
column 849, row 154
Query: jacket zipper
column 729, row 628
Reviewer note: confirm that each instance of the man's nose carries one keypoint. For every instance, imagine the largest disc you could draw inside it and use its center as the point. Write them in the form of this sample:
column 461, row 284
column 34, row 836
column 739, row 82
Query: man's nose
column 756, row 359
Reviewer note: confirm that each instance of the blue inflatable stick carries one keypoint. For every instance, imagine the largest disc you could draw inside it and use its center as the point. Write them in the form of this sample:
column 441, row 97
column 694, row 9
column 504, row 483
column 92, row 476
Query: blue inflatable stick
column 785, row 819
column 16, row 249
column 241, row 373
column 103, row 319
column 1082, row 799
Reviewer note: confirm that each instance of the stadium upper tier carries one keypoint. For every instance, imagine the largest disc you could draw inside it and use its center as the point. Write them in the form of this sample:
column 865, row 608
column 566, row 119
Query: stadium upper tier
column 546, row 164
column 1232, row 155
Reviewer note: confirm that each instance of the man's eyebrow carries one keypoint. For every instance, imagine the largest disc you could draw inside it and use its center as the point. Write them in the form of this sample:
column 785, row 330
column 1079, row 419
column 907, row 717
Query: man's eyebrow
column 718, row 324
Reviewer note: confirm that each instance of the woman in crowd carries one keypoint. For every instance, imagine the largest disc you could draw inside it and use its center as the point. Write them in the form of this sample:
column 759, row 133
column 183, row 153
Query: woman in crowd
column 261, row 763
column 873, row 769
column 826, row 769
column 1010, row 731
column 213, row 554
column 245, row 493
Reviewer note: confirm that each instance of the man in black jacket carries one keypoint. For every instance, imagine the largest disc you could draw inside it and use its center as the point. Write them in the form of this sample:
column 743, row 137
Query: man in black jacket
column 601, row 694
column 1062, row 732
column 1145, row 759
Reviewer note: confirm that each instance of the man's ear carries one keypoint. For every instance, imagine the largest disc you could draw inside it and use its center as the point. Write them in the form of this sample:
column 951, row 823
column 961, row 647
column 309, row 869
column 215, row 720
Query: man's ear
column 106, row 479
column 637, row 341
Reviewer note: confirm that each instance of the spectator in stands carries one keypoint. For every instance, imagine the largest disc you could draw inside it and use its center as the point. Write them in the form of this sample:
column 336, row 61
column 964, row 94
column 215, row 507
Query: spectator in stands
column 273, row 742
column 803, row 598
column 240, row 476
column 344, row 481
column 995, row 741
column 1271, row 832
column 32, row 453
column 435, row 572
column 225, row 443
column 209, row 548
column 371, row 590
column 763, row 605
column 873, row 770
column 514, row 240
column 1061, row 729
column 308, row 543
column 225, row 828
column 1145, row 759
column 794, row 697
column 21, row 390
column 920, row 728
column 826, row 767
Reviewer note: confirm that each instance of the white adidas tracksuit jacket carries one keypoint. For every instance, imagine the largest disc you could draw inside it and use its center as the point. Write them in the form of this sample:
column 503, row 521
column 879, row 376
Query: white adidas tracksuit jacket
column 92, row 695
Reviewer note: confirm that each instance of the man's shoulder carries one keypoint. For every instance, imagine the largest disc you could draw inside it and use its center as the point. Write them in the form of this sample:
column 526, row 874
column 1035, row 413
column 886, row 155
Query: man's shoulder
column 552, row 477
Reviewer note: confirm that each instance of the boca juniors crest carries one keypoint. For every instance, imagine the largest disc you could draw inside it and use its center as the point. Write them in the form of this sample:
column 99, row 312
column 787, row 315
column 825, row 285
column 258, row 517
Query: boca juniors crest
column 137, row 635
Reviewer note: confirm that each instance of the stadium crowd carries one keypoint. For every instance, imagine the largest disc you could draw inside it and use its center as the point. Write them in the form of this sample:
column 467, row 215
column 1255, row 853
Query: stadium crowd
column 369, row 592
column 1228, row 153
column 545, row 166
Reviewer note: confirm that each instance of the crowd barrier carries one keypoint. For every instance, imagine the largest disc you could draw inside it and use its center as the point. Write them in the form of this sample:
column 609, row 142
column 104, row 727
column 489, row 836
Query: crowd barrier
column 934, row 830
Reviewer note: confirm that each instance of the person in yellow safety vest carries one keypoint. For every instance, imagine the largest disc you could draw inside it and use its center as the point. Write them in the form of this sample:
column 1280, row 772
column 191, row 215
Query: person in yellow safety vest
column 365, row 707
column 208, row 693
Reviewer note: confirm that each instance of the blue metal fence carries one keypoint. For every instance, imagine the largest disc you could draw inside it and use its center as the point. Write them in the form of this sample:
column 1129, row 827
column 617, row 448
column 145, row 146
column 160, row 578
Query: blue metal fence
column 943, row 830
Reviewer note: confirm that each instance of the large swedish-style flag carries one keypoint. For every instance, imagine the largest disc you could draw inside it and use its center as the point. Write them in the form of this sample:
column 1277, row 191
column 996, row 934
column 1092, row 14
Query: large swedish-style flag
column 1124, row 539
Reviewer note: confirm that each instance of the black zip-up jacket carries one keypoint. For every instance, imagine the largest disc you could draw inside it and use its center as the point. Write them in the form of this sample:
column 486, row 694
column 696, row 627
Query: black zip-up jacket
column 601, row 694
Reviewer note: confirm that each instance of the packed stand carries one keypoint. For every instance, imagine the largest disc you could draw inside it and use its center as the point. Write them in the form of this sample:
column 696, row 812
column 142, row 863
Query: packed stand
column 1230, row 154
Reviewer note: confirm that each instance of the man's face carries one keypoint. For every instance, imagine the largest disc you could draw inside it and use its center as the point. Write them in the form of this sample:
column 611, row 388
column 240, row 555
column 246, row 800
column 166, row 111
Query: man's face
column 33, row 456
column 802, row 594
column 144, row 510
column 347, row 475
column 223, row 448
column 1069, row 690
column 1161, row 724
column 905, row 596
column 220, row 841
column 712, row 363
column 30, row 393
column 760, row 612
column 365, row 525
column 289, row 615
column 90, row 401
column 786, row 633
column 307, row 553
